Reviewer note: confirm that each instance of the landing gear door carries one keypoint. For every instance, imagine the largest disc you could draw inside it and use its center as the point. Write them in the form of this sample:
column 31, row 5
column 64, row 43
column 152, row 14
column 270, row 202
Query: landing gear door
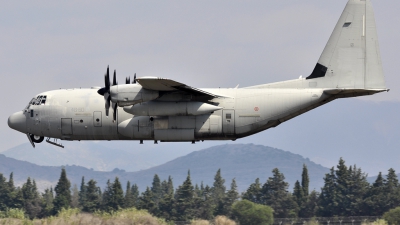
column 228, row 121
column 97, row 119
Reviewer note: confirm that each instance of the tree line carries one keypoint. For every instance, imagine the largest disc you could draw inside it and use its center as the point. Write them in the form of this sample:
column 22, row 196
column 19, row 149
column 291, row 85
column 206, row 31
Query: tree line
column 346, row 192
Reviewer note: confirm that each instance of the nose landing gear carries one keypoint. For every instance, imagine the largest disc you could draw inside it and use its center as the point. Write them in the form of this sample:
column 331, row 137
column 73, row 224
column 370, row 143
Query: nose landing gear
column 36, row 139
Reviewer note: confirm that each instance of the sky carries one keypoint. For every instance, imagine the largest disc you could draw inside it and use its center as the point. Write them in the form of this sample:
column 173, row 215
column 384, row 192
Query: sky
column 46, row 45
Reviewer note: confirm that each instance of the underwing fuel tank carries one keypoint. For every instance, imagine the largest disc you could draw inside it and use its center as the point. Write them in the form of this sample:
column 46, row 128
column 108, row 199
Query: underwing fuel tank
column 171, row 109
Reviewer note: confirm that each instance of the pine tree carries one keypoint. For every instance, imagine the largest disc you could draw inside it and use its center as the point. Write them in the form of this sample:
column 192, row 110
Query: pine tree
column 47, row 202
column 305, row 180
column 231, row 197
column 275, row 194
column 92, row 202
column 327, row 199
column 63, row 193
column 253, row 193
column 156, row 189
column 82, row 193
column 218, row 189
column 75, row 197
column 5, row 194
column 32, row 201
column 128, row 200
column 392, row 190
column 342, row 188
column 376, row 200
column 298, row 194
column 135, row 195
column 167, row 207
column 117, row 196
column 185, row 200
column 146, row 201
column 106, row 197
column 358, row 187
column 310, row 207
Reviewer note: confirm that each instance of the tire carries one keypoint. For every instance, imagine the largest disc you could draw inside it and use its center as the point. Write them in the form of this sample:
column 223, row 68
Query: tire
column 37, row 139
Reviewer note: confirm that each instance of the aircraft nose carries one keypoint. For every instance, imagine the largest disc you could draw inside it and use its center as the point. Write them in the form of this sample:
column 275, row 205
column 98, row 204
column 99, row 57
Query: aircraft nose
column 17, row 121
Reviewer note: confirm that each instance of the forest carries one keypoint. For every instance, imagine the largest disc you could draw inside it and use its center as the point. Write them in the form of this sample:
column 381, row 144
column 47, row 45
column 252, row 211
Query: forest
column 346, row 192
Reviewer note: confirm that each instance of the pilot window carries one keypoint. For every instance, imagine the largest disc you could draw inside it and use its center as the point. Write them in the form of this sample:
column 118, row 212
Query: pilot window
column 40, row 100
column 228, row 116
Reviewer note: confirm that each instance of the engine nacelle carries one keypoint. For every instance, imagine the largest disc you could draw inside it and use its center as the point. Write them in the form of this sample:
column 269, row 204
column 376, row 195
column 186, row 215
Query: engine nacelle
column 155, row 108
column 130, row 94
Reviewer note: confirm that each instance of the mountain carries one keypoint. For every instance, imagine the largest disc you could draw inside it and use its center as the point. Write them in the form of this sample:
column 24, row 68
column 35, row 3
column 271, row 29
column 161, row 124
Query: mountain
column 100, row 156
column 245, row 162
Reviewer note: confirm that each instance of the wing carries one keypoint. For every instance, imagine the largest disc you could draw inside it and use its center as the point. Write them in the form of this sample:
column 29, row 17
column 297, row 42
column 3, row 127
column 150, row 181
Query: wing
column 162, row 84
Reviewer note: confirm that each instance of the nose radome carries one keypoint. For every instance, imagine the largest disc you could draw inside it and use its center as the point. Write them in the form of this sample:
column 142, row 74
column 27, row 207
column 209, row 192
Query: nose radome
column 17, row 121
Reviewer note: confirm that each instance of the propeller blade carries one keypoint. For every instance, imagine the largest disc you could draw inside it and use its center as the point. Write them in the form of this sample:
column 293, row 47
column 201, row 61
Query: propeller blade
column 128, row 80
column 134, row 79
column 115, row 78
column 114, row 112
column 107, row 99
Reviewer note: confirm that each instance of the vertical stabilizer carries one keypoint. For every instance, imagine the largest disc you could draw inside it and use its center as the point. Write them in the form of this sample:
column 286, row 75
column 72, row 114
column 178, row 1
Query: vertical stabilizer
column 351, row 58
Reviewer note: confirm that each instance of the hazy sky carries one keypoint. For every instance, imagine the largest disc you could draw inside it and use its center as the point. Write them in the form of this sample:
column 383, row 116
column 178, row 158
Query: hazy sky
column 48, row 45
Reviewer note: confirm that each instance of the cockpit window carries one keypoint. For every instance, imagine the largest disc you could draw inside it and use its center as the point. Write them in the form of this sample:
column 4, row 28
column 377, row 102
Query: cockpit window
column 40, row 100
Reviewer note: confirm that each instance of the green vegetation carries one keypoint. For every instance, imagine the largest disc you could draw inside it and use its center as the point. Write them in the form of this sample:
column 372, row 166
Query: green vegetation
column 393, row 216
column 250, row 213
column 346, row 192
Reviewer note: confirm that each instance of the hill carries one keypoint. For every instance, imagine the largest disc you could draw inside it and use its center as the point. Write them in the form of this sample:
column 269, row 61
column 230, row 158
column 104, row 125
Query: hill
column 101, row 156
column 245, row 162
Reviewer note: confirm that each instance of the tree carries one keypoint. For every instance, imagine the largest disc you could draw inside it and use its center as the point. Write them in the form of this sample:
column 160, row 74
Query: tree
column 92, row 202
column 253, row 193
column 156, row 189
column 47, row 202
column 392, row 216
column 185, row 200
column 32, row 201
column 327, row 199
column 146, row 201
column 218, row 189
column 204, row 204
column 106, row 197
column 5, row 194
column 63, row 193
column 275, row 194
column 75, row 197
column 128, row 200
column 305, row 180
column 82, row 193
column 310, row 207
column 358, row 187
column 376, row 201
column 231, row 197
column 392, row 190
column 298, row 194
column 117, row 196
column 249, row 213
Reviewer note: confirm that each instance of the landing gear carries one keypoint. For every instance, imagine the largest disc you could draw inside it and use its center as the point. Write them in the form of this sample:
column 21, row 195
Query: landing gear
column 36, row 139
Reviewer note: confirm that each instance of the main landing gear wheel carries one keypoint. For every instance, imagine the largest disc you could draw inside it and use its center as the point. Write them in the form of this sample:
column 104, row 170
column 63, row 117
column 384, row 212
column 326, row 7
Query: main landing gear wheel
column 36, row 139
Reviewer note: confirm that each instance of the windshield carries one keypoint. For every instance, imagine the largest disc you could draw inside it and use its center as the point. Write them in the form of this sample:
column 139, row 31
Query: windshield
column 39, row 100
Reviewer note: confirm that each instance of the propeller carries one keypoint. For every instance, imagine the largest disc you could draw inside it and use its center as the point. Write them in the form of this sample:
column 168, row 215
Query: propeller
column 134, row 79
column 105, row 91
column 128, row 80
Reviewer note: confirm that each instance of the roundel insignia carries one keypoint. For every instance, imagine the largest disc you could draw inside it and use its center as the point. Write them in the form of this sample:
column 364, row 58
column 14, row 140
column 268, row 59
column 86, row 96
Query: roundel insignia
column 256, row 109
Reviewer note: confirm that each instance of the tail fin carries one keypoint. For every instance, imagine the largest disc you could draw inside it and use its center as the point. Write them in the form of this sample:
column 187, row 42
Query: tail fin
column 351, row 58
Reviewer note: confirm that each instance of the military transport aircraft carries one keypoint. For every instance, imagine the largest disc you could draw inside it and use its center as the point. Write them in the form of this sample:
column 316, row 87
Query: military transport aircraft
column 158, row 109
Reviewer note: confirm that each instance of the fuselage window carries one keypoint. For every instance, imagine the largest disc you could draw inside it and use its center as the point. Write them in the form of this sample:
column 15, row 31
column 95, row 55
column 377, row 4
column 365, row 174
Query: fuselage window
column 228, row 116
column 31, row 112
